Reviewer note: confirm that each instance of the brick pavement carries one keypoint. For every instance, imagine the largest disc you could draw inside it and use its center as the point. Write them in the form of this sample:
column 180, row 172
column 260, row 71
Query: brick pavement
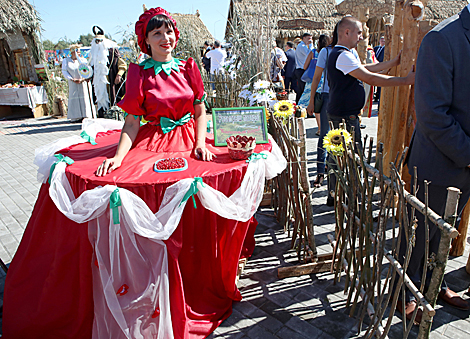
column 310, row 306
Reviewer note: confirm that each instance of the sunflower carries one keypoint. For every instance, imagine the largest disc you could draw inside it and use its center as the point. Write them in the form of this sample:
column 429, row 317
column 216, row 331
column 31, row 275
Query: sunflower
column 333, row 142
column 283, row 109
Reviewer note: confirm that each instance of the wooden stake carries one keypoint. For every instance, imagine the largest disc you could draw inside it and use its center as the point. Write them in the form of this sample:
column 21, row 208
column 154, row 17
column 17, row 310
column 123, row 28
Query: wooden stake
column 363, row 16
column 387, row 92
column 458, row 244
column 441, row 261
column 4, row 59
column 387, row 100
column 400, row 114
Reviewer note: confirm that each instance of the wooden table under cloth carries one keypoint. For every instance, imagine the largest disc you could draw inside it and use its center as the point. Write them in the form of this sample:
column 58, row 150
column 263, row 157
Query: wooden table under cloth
column 49, row 289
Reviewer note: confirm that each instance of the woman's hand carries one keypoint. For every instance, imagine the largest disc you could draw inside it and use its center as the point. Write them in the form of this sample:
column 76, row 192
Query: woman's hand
column 128, row 135
column 77, row 81
column 108, row 165
column 311, row 107
column 201, row 152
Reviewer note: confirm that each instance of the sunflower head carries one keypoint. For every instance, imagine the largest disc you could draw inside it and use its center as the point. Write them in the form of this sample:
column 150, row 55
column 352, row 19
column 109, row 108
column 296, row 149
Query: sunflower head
column 333, row 141
column 283, row 109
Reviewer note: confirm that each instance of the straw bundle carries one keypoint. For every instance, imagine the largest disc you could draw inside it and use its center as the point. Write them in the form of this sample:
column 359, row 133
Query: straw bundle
column 18, row 15
column 248, row 11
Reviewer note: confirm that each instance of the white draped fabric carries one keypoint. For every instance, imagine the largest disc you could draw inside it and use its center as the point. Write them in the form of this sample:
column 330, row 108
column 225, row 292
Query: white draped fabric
column 44, row 155
column 130, row 273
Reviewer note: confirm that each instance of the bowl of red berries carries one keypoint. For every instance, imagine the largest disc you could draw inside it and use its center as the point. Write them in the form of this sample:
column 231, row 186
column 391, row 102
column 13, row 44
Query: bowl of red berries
column 170, row 165
column 240, row 147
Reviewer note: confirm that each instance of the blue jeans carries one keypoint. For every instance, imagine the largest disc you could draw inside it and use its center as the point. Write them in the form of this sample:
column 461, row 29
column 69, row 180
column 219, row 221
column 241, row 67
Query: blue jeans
column 324, row 128
column 212, row 78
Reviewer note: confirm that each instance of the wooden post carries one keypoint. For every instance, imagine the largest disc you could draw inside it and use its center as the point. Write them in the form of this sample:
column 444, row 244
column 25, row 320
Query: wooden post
column 441, row 261
column 412, row 11
column 386, row 91
column 458, row 244
column 387, row 101
column 306, row 184
column 363, row 16
column 4, row 59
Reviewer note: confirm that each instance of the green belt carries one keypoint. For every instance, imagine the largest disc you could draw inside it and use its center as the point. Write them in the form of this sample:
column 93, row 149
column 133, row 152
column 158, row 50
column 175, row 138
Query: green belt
column 168, row 124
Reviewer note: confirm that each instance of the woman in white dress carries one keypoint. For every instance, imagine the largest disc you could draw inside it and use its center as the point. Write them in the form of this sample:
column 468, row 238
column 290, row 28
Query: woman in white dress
column 80, row 98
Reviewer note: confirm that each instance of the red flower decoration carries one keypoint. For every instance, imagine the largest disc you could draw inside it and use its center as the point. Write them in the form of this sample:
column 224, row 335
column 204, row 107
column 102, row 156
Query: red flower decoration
column 122, row 290
column 141, row 26
column 156, row 313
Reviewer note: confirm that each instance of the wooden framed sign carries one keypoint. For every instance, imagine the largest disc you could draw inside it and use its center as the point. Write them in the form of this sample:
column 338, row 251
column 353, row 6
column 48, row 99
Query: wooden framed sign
column 250, row 121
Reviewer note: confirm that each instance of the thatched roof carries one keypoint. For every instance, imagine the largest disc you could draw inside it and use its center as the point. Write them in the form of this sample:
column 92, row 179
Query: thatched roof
column 18, row 15
column 442, row 9
column 192, row 27
column 377, row 8
column 435, row 9
column 254, row 11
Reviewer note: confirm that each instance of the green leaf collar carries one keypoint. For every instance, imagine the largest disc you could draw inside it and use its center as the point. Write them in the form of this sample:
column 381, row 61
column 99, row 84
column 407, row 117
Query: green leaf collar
column 166, row 66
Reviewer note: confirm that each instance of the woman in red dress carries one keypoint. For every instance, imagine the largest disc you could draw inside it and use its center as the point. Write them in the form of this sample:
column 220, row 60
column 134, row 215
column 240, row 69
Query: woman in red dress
column 49, row 289
column 161, row 86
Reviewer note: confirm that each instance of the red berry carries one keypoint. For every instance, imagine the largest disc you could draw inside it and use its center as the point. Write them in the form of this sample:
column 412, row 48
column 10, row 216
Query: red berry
column 170, row 163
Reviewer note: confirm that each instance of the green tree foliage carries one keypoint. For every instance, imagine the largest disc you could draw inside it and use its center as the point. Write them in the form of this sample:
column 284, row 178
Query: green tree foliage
column 48, row 45
column 85, row 40
column 63, row 43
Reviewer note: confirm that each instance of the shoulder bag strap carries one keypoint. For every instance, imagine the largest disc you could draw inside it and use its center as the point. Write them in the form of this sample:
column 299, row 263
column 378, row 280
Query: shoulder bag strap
column 325, row 70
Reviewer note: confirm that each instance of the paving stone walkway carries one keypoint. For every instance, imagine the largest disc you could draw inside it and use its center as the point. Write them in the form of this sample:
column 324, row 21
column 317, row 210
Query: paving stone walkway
column 310, row 306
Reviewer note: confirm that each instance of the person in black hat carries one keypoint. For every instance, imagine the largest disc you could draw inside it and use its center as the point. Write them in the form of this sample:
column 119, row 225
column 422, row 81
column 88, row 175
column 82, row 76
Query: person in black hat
column 108, row 69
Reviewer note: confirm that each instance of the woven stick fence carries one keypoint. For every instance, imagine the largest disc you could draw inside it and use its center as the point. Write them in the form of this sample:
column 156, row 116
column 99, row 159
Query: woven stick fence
column 291, row 197
column 363, row 248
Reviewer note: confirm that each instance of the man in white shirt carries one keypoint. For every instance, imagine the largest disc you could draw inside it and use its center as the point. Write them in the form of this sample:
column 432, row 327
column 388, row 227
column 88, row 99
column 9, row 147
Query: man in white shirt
column 345, row 77
column 217, row 57
column 280, row 54
column 278, row 61
column 301, row 53
column 346, row 73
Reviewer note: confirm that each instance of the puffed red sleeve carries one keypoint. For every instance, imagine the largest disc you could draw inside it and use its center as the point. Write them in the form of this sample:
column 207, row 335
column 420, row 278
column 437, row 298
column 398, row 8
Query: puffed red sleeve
column 193, row 75
column 132, row 103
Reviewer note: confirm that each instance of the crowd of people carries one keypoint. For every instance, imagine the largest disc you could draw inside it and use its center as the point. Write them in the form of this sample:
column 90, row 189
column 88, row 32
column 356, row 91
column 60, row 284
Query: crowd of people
column 303, row 67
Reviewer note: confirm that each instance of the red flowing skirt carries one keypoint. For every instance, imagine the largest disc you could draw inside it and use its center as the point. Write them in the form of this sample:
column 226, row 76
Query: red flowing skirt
column 48, row 290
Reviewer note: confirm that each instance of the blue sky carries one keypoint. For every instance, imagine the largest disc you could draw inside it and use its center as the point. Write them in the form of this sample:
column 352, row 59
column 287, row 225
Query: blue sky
column 72, row 18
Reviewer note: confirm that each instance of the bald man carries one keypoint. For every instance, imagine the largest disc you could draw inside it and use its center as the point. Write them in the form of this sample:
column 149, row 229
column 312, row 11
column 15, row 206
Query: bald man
column 346, row 75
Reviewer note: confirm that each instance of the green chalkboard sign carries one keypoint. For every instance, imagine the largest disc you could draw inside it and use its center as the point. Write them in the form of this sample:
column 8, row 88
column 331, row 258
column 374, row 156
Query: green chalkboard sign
column 250, row 121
